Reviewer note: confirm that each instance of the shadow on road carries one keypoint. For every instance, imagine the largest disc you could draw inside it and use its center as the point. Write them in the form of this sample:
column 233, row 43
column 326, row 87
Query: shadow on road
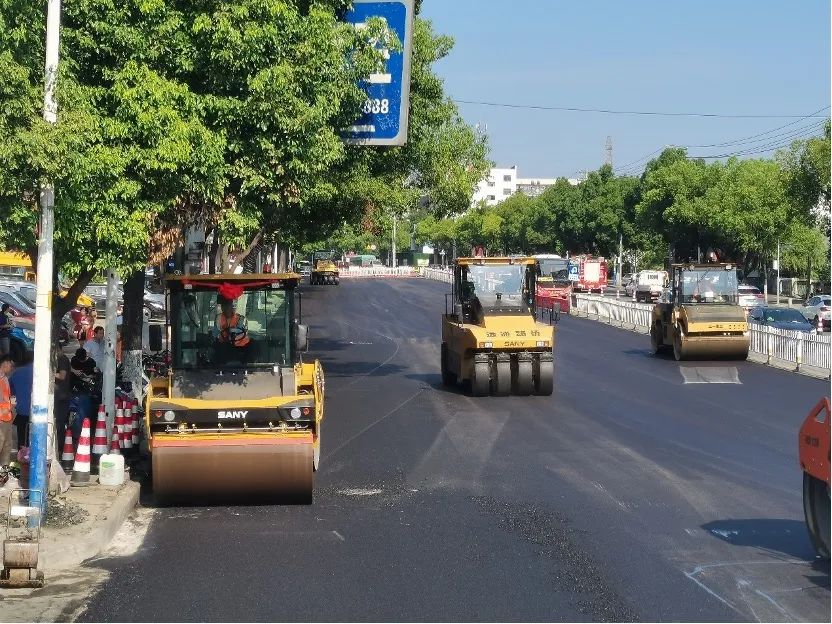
column 434, row 380
column 788, row 537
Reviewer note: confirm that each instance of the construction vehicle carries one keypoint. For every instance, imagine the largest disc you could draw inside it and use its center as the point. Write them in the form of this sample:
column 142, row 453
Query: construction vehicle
column 592, row 274
column 553, row 285
column 324, row 269
column 491, row 339
column 814, row 446
column 703, row 318
column 238, row 414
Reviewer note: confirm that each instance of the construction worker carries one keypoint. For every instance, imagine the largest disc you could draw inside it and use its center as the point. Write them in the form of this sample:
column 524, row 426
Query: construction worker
column 7, row 404
column 231, row 327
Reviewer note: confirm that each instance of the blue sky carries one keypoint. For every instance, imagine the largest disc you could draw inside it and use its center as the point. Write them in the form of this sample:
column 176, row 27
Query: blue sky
column 731, row 56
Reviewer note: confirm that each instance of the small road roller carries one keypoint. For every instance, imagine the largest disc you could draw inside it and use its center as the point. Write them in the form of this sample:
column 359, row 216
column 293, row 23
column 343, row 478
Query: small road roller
column 238, row 416
column 814, row 446
column 491, row 340
column 324, row 269
column 703, row 319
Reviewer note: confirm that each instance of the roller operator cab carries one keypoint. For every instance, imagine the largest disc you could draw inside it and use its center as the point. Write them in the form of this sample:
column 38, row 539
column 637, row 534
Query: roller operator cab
column 703, row 319
column 324, row 269
column 491, row 340
column 239, row 414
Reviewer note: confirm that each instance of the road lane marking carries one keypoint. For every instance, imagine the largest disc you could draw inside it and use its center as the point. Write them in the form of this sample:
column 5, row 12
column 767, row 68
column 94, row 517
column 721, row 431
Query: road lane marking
column 708, row 375
column 339, row 536
column 360, row 491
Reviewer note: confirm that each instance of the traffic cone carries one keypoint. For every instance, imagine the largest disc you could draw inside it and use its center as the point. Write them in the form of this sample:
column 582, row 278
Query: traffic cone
column 114, row 444
column 135, row 424
column 127, row 421
column 99, row 442
column 81, row 467
column 68, row 454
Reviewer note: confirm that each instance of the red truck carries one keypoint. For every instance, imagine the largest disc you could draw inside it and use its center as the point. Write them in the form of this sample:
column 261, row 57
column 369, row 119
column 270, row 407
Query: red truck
column 592, row 274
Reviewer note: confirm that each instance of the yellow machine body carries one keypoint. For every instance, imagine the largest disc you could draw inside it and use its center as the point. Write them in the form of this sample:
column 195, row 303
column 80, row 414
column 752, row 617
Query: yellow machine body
column 324, row 269
column 703, row 319
column 491, row 339
column 243, row 433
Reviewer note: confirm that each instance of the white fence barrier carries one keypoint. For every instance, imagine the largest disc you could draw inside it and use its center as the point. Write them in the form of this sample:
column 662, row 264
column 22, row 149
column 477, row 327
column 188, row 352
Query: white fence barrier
column 440, row 275
column 378, row 271
column 798, row 348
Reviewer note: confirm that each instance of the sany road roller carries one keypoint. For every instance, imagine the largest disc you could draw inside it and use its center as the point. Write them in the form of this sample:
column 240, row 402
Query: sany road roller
column 490, row 337
column 703, row 319
column 239, row 414
column 324, row 270
column 814, row 446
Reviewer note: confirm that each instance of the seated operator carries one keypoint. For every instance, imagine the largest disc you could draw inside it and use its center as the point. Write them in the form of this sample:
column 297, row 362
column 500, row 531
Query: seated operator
column 231, row 330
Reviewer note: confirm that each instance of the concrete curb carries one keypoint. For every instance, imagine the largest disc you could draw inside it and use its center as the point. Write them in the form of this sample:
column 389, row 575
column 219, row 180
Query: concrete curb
column 69, row 547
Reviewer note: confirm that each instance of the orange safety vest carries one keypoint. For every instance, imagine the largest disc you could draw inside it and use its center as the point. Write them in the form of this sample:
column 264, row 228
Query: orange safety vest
column 225, row 334
column 6, row 414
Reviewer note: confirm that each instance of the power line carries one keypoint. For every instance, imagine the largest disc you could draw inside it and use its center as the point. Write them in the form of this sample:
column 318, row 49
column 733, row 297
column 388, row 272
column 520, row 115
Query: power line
column 761, row 134
column 605, row 111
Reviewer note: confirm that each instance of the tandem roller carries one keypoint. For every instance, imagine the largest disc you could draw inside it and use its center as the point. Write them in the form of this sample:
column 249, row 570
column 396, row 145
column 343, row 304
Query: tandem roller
column 238, row 417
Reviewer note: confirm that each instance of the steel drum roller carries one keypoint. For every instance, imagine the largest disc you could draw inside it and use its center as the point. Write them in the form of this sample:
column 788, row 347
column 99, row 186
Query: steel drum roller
column 705, row 348
column 255, row 470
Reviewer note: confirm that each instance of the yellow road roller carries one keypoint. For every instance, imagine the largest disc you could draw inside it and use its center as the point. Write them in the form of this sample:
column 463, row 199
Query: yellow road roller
column 491, row 340
column 324, row 269
column 703, row 319
column 239, row 414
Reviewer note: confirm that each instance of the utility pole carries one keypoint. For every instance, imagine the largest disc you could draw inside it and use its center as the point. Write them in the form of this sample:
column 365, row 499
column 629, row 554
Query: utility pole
column 42, row 418
column 393, row 258
column 608, row 151
column 778, row 271
column 108, row 370
column 620, row 260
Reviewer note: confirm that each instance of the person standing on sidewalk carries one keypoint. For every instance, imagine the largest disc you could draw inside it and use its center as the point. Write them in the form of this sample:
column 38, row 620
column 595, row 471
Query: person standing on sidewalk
column 21, row 385
column 6, row 325
column 63, row 391
column 95, row 347
column 7, row 402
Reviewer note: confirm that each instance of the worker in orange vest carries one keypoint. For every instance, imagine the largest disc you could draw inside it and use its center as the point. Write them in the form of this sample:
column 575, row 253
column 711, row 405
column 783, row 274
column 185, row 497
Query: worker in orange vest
column 7, row 403
column 231, row 327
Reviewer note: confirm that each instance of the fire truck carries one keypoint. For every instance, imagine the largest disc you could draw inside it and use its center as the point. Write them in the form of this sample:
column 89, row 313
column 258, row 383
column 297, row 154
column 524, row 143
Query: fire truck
column 592, row 274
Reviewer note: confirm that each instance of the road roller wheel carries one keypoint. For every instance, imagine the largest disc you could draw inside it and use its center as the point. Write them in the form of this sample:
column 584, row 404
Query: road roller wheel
column 480, row 382
column 448, row 376
column 316, row 450
column 816, row 511
column 678, row 345
column 656, row 344
column 544, row 382
column 501, row 384
column 524, row 382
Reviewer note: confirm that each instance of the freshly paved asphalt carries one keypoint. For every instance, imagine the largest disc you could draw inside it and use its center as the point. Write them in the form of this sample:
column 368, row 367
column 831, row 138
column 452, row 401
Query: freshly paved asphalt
column 627, row 495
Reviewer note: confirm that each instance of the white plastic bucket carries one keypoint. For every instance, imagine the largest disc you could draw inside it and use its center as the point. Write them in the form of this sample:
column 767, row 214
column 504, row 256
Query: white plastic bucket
column 111, row 470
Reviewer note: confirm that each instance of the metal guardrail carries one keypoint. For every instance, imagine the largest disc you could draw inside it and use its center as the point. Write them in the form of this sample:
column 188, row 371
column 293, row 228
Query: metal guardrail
column 798, row 348
column 439, row 275
column 355, row 271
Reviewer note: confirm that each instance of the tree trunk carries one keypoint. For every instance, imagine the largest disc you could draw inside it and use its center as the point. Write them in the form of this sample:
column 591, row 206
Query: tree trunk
column 213, row 251
column 131, row 330
column 282, row 258
column 251, row 246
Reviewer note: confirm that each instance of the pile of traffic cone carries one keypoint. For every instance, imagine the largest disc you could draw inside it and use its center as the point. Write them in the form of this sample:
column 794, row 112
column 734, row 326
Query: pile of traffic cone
column 135, row 432
column 126, row 428
column 81, row 467
column 68, row 453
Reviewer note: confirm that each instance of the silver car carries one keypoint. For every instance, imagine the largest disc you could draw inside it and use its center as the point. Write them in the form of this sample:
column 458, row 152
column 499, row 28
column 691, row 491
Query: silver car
column 817, row 311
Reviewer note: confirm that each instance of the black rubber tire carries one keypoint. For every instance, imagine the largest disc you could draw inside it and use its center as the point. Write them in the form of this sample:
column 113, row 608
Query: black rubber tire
column 678, row 352
column 524, row 383
column 657, row 346
column 501, row 384
column 480, row 381
column 448, row 376
column 816, row 512
column 544, row 382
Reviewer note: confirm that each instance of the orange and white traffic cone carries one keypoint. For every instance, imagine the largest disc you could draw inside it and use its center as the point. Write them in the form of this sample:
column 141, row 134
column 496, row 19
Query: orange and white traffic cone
column 99, row 442
column 127, row 420
column 68, row 453
column 114, row 444
column 135, row 424
column 81, row 467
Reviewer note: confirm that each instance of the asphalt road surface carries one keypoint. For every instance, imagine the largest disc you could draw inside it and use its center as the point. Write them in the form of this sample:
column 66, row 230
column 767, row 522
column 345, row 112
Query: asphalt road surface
column 643, row 489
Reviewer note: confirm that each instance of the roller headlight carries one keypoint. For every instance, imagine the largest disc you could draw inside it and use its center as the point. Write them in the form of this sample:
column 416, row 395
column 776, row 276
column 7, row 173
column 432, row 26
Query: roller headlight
column 170, row 415
column 295, row 413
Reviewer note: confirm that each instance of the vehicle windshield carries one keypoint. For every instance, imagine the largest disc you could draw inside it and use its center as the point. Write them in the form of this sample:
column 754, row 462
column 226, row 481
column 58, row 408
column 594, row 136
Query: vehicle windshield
column 780, row 315
column 210, row 333
column 708, row 286
column 323, row 255
column 555, row 268
column 497, row 285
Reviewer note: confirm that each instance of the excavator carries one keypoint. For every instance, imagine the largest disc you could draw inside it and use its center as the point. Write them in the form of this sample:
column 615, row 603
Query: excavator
column 491, row 340
column 814, row 446
column 238, row 415
column 703, row 319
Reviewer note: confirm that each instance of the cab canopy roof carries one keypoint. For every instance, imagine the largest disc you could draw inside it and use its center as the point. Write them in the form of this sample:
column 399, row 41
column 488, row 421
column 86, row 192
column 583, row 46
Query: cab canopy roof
column 494, row 261
column 694, row 266
column 241, row 279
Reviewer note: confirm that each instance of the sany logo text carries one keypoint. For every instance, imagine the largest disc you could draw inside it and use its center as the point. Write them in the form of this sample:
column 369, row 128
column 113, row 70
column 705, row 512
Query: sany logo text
column 233, row 414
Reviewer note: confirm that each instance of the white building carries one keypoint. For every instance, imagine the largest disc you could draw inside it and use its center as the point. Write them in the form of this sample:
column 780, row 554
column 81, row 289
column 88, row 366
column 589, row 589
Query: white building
column 502, row 182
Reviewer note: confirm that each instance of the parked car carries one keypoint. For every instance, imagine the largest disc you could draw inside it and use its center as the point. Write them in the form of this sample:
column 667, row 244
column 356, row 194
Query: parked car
column 22, row 341
column 98, row 293
column 781, row 317
column 19, row 308
column 817, row 310
column 750, row 296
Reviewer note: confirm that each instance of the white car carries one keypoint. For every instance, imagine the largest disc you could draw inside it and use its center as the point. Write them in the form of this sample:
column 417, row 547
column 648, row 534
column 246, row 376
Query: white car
column 750, row 296
column 817, row 311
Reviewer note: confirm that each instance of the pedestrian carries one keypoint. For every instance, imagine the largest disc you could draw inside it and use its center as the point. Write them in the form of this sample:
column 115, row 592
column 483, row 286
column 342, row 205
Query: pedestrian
column 63, row 391
column 6, row 325
column 21, row 387
column 7, row 403
column 95, row 347
column 82, row 364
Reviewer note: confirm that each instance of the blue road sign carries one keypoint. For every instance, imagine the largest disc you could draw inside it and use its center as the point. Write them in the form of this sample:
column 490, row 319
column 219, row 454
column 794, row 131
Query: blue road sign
column 383, row 117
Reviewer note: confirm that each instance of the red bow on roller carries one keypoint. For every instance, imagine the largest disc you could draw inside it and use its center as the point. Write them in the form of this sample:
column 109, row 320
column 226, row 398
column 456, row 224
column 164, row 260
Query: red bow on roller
column 230, row 291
